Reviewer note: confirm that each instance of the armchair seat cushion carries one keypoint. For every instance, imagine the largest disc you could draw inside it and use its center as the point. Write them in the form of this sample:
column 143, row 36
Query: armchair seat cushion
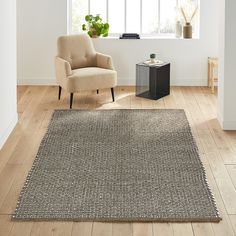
column 91, row 78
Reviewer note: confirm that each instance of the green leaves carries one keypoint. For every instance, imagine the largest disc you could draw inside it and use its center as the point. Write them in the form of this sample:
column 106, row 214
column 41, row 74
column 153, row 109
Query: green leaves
column 88, row 18
column 95, row 27
column 97, row 18
column 90, row 34
column 153, row 55
column 84, row 27
column 105, row 35
column 106, row 26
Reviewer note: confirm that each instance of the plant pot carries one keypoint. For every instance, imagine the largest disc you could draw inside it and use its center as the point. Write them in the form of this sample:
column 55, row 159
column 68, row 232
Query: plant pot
column 187, row 31
column 94, row 32
column 153, row 60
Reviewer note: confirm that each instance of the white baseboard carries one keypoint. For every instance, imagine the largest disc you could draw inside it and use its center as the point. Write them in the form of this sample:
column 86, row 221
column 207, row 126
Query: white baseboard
column 226, row 125
column 8, row 130
column 122, row 81
column 52, row 81
column 174, row 82
column 188, row 82
column 36, row 81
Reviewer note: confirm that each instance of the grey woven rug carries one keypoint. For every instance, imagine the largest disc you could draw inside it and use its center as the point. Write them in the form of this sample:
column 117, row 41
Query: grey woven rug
column 117, row 165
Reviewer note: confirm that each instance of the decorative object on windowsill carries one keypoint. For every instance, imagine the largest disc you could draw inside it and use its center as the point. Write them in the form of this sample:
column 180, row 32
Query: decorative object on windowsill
column 130, row 36
column 153, row 57
column 178, row 29
column 187, row 31
column 187, row 28
column 95, row 26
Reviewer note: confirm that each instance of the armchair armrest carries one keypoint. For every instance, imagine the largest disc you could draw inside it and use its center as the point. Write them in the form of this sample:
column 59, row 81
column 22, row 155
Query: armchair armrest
column 63, row 68
column 104, row 61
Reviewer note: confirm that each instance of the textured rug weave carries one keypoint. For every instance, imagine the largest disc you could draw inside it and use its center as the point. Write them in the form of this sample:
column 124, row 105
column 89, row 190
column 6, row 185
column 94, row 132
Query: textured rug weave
column 117, row 165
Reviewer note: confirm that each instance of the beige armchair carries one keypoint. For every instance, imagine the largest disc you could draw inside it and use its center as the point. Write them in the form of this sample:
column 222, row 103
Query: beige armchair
column 80, row 67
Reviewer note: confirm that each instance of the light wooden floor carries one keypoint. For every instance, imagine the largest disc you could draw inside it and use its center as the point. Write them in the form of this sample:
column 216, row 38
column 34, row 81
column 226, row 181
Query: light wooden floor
column 217, row 149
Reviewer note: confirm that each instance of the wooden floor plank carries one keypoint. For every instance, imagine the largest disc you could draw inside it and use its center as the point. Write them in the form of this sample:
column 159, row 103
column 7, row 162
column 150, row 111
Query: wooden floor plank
column 9, row 147
column 122, row 229
column 224, row 226
column 5, row 225
column 102, row 229
column 202, row 229
column 62, row 228
column 9, row 203
column 232, row 173
column 135, row 102
column 82, row 229
column 6, row 180
column 21, row 91
column 162, row 229
column 169, row 101
column 180, row 229
column 231, row 137
column 228, row 156
column 20, row 229
column 224, row 183
column 42, row 229
column 233, row 222
column 140, row 229
column 25, row 99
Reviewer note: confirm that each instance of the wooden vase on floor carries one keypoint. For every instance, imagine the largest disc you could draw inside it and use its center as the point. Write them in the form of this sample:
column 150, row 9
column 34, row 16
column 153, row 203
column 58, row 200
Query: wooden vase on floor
column 187, row 31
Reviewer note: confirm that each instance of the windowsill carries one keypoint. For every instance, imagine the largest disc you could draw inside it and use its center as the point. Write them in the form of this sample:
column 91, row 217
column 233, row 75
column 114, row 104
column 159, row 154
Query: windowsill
column 148, row 37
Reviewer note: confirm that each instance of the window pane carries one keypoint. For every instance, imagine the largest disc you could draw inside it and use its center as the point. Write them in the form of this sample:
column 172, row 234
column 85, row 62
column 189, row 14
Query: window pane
column 168, row 16
column 188, row 7
column 116, row 16
column 149, row 25
column 99, row 7
column 79, row 11
column 133, row 16
column 149, row 16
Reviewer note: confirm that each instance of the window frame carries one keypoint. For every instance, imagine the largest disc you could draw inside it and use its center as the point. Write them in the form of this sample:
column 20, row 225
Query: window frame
column 150, row 35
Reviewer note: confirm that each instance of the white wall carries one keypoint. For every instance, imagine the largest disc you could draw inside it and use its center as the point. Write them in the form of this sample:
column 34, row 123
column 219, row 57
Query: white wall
column 39, row 24
column 37, row 37
column 227, row 65
column 188, row 57
column 8, row 111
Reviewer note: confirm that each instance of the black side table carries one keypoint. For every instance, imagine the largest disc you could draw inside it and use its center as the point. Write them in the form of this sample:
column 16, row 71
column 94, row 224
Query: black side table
column 152, row 81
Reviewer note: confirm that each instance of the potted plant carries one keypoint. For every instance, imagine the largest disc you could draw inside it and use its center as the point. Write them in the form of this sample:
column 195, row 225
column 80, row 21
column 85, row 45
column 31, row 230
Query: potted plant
column 95, row 26
column 152, row 57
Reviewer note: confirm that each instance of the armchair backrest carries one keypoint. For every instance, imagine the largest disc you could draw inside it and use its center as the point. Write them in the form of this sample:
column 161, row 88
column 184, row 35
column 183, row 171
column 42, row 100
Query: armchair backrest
column 78, row 50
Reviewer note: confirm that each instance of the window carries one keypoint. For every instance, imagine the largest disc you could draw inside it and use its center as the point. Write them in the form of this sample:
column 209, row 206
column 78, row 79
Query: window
column 147, row 17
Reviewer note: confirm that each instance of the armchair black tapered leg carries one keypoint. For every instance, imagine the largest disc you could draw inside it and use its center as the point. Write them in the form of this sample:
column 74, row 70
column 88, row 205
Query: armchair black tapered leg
column 59, row 93
column 112, row 94
column 97, row 91
column 71, row 100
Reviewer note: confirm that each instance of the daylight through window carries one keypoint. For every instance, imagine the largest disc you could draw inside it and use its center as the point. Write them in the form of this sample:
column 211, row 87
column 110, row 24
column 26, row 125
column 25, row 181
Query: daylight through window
column 146, row 17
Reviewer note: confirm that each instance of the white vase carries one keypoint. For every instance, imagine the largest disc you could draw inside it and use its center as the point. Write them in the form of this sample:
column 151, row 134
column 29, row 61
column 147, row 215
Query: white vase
column 153, row 60
column 178, row 30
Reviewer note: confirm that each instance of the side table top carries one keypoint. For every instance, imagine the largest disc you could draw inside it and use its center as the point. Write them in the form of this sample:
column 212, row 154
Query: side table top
column 152, row 65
